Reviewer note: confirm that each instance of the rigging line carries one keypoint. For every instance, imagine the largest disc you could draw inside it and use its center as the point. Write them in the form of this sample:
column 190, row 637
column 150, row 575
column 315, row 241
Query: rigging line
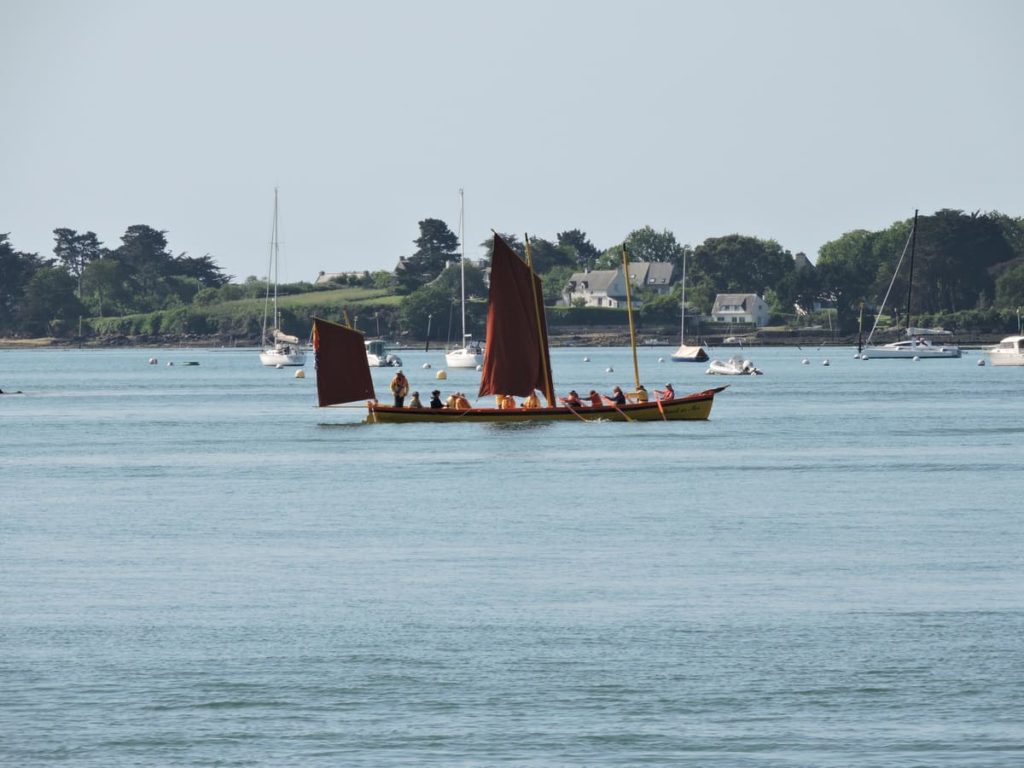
column 892, row 282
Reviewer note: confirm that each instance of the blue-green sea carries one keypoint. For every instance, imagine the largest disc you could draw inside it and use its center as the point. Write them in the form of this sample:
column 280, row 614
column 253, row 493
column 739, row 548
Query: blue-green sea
column 200, row 568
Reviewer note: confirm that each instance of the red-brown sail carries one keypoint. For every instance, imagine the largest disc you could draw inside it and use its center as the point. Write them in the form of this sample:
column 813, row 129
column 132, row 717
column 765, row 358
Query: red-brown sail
column 516, row 359
column 342, row 373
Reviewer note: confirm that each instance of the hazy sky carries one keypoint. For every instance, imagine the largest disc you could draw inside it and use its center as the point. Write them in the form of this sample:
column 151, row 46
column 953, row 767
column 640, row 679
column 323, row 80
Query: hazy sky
column 795, row 121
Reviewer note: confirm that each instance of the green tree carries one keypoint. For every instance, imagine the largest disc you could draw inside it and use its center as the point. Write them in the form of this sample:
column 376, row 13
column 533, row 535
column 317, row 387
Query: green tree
column 202, row 269
column 645, row 244
column 104, row 287
column 76, row 251
column 1010, row 288
column 50, row 302
column 436, row 246
column 740, row 264
column 143, row 251
column 16, row 270
column 585, row 252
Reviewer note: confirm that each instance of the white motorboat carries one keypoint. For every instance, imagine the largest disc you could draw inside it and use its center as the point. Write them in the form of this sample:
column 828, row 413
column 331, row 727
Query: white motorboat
column 470, row 354
column 278, row 348
column 734, row 366
column 377, row 355
column 917, row 345
column 1009, row 351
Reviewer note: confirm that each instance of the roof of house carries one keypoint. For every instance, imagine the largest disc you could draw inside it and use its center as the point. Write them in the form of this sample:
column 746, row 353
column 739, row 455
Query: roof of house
column 597, row 281
column 746, row 300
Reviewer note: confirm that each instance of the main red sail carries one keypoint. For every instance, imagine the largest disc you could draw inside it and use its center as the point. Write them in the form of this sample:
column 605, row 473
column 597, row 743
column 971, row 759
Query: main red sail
column 516, row 359
column 342, row 373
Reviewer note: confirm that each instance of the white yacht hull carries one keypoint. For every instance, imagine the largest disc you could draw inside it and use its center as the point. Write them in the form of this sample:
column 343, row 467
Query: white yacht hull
column 905, row 350
column 463, row 358
column 1010, row 351
column 276, row 356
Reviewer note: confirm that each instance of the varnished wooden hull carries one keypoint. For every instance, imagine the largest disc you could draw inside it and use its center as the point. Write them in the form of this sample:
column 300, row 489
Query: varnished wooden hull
column 695, row 407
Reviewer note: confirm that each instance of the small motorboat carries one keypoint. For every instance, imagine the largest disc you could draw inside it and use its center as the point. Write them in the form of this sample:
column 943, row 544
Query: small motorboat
column 734, row 366
column 1009, row 351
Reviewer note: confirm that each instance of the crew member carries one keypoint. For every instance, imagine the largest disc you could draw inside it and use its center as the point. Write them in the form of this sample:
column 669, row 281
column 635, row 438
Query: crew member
column 665, row 394
column 531, row 401
column 641, row 393
column 572, row 400
column 414, row 400
column 399, row 388
column 595, row 399
column 617, row 397
column 435, row 399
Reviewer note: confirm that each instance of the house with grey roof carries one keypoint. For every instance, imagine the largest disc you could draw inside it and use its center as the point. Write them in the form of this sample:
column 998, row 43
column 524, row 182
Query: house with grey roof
column 740, row 308
column 607, row 287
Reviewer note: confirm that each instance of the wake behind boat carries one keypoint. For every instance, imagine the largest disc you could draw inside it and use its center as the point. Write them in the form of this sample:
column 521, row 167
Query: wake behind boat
column 516, row 363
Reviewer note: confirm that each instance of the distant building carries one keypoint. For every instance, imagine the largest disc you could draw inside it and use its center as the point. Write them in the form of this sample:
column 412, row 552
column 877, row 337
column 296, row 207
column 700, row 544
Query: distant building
column 323, row 278
column 607, row 287
column 739, row 308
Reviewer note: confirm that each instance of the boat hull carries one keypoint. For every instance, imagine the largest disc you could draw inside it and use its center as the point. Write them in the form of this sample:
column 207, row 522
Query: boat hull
column 463, row 358
column 687, row 354
column 909, row 353
column 695, row 407
column 274, row 357
column 1004, row 359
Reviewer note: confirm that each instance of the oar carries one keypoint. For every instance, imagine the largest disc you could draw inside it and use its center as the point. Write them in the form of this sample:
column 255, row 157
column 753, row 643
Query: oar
column 661, row 408
column 616, row 407
column 571, row 410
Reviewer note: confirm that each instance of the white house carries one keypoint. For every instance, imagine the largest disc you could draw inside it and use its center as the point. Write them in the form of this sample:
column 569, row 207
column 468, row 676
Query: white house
column 740, row 308
column 607, row 288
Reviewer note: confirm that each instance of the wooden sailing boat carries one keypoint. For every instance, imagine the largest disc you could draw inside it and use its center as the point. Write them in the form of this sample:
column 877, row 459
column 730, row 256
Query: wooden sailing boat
column 469, row 355
column 516, row 362
column 686, row 354
column 278, row 348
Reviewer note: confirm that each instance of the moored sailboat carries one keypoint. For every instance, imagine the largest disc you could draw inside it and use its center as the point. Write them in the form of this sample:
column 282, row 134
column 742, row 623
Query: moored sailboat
column 469, row 355
column 686, row 353
column 918, row 345
column 516, row 363
column 279, row 348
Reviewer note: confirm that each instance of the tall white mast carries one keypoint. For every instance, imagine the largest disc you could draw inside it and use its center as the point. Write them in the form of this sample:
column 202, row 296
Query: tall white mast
column 462, row 261
column 682, row 302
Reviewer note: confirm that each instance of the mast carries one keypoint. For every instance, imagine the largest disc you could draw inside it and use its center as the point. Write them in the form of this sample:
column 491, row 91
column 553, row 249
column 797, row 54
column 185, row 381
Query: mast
column 462, row 261
column 271, row 274
column 549, row 393
column 629, row 312
column 910, row 280
column 682, row 303
column 860, row 330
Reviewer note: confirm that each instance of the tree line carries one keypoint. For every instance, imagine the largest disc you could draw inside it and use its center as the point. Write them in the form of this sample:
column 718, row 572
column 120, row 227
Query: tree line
column 969, row 272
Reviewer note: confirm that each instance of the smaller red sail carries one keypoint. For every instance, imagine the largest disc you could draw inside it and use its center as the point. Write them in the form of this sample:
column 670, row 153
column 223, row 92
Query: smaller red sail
column 342, row 373
column 516, row 359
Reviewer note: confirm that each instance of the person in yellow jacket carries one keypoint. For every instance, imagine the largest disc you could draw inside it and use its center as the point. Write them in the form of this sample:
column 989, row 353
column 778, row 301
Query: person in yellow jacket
column 399, row 388
column 641, row 393
column 531, row 401
column 461, row 403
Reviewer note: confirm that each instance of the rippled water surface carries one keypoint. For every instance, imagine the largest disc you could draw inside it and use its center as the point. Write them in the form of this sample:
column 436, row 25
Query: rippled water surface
column 198, row 567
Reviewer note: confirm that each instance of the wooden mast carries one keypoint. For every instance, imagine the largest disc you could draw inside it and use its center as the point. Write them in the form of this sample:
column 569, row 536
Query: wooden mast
column 629, row 312
column 541, row 337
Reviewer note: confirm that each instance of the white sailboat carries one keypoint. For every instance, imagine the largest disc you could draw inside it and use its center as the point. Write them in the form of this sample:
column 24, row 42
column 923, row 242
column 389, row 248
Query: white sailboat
column 686, row 354
column 470, row 354
column 279, row 348
column 917, row 345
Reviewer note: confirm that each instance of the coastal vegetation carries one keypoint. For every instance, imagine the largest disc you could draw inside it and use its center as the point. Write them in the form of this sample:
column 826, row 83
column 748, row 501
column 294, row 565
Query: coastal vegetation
column 969, row 277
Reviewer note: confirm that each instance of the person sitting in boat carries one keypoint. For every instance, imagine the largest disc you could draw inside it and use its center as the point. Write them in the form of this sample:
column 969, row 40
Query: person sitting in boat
column 506, row 402
column 595, row 399
column 641, row 393
column 616, row 397
column 531, row 401
column 399, row 388
column 572, row 400
column 665, row 394
column 461, row 403
column 414, row 400
column 435, row 399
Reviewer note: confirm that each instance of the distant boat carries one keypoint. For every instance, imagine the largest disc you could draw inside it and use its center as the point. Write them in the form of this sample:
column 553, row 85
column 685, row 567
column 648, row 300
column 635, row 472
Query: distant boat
column 1009, row 351
column 279, row 348
column 516, row 363
column 685, row 353
column 377, row 355
column 734, row 366
column 918, row 345
column 470, row 354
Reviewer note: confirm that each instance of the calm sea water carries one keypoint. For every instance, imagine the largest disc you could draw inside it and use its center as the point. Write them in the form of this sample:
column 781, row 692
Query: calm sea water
column 198, row 567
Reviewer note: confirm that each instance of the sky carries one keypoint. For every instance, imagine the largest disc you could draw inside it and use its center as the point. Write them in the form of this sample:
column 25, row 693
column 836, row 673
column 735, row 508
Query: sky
column 780, row 119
